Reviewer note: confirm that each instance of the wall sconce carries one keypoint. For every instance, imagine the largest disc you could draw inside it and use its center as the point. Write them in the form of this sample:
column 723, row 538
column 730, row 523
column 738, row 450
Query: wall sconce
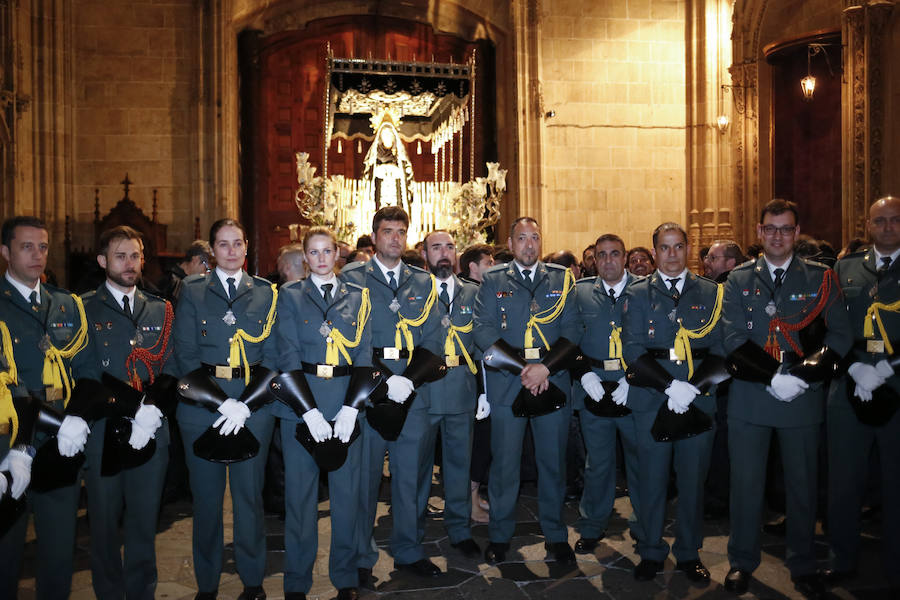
column 722, row 123
column 808, row 83
column 738, row 91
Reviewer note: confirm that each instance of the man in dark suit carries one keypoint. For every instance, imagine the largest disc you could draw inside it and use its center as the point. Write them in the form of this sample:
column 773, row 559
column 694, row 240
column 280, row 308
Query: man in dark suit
column 776, row 310
column 871, row 284
column 526, row 305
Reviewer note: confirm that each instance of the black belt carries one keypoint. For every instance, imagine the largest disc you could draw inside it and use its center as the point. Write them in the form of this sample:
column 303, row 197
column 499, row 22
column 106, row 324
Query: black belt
column 599, row 363
column 379, row 353
column 313, row 369
column 236, row 372
column 663, row 353
column 38, row 394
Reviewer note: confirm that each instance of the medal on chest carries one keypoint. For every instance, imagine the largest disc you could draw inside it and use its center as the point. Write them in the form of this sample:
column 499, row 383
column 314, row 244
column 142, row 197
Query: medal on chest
column 445, row 321
column 770, row 308
column 535, row 308
column 138, row 338
column 325, row 330
column 671, row 316
column 229, row 318
column 44, row 343
column 394, row 305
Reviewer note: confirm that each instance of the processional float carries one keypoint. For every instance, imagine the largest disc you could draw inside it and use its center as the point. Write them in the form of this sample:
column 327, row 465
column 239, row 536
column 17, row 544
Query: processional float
column 387, row 106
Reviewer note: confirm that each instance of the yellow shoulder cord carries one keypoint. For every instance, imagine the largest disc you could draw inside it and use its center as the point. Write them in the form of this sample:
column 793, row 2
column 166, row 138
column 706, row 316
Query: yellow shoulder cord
column 548, row 315
column 403, row 334
column 56, row 373
column 615, row 344
column 684, row 336
column 238, row 354
column 10, row 377
column 874, row 314
column 337, row 343
column 454, row 340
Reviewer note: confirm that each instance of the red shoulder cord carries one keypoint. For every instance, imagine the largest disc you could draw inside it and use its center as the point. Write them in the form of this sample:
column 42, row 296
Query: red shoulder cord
column 146, row 356
column 778, row 324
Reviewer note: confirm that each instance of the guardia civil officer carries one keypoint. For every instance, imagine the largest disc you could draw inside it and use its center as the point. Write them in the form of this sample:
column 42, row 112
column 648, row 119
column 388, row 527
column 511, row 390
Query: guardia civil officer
column 784, row 327
column 599, row 303
column 525, row 311
column 222, row 324
column 668, row 332
column 455, row 399
column 48, row 330
column 323, row 329
column 129, row 333
column 858, row 422
column 404, row 308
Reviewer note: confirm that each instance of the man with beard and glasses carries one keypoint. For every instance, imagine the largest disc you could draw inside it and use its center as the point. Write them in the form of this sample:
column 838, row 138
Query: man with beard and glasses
column 453, row 399
column 130, row 341
column 524, row 310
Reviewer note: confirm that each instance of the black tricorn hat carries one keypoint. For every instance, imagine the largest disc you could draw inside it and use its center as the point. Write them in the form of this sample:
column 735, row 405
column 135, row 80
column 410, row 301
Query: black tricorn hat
column 527, row 404
column 605, row 407
column 51, row 470
column 329, row 454
column 877, row 411
column 669, row 426
column 118, row 454
column 10, row 508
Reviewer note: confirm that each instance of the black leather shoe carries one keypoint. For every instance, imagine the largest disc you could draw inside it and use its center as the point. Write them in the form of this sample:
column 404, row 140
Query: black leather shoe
column 468, row 547
column 694, row 570
column 422, row 567
column 777, row 528
column 833, row 577
column 294, row 596
column 495, row 553
column 811, row 586
column 737, row 581
column 366, row 579
column 205, row 596
column 647, row 569
column 561, row 551
column 253, row 592
column 586, row 545
column 347, row 594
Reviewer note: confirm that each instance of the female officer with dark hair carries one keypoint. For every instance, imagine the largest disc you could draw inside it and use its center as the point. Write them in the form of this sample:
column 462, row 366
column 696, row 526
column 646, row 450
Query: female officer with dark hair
column 323, row 331
column 222, row 327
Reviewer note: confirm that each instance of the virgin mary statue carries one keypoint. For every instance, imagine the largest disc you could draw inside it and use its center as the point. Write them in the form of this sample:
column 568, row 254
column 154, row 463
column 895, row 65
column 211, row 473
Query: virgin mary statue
column 387, row 168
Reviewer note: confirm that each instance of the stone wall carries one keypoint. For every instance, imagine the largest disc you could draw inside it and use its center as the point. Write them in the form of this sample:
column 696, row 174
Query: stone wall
column 614, row 153
column 135, row 78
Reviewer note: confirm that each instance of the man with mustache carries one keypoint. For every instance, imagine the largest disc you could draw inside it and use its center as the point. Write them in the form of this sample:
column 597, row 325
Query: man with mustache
column 453, row 399
column 130, row 341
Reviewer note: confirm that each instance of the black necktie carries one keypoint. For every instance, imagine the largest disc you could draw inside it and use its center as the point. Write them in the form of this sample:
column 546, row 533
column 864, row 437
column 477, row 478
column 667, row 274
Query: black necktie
column 326, row 292
column 34, row 301
column 673, row 289
column 392, row 281
column 779, row 276
column 526, row 275
column 444, row 296
column 885, row 263
column 232, row 291
column 126, row 306
column 612, row 294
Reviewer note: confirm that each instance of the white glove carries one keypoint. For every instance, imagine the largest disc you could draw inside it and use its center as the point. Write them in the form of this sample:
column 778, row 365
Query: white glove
column 862, row 393
column 866, row 376
column 399, row 388
column 592, row 384
column 786, row 387
column 3, row 484
column 620, row 394
column 884, row 368
column 140, row 437
column 681, row 394
column 149, row 418
column 318, row 426
column 344, row 423
column 72, row 436
column 20, row 469
column 234, row 414
column 484, row 408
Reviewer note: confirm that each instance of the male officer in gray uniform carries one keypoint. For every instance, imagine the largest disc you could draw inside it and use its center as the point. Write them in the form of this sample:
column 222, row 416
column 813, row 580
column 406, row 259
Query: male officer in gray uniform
column 404, row 306
column 870, row 281
column 129, row 339
column 772, row 305
column 529, row 306
column 453, row 398
column 658, row 308
column 44, row 322
column 599, row 304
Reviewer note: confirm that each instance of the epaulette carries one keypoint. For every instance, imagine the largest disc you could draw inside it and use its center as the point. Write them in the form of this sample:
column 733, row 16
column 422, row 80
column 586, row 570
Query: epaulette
column 352, row 286
column 152, row 297
column 292, row 284
column 815, row 264
column 89, row 295
column 193, row 278
column 749, row 264
column 260, row 281
column 499, row 267
column 587, row 280
column 858, row 254
column 555, row 267
column 56, row 290
column 416, row 269
column 358, row 264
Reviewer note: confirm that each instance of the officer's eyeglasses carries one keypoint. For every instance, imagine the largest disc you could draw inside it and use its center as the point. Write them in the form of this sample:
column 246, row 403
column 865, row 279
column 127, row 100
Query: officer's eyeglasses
column 784, row 230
